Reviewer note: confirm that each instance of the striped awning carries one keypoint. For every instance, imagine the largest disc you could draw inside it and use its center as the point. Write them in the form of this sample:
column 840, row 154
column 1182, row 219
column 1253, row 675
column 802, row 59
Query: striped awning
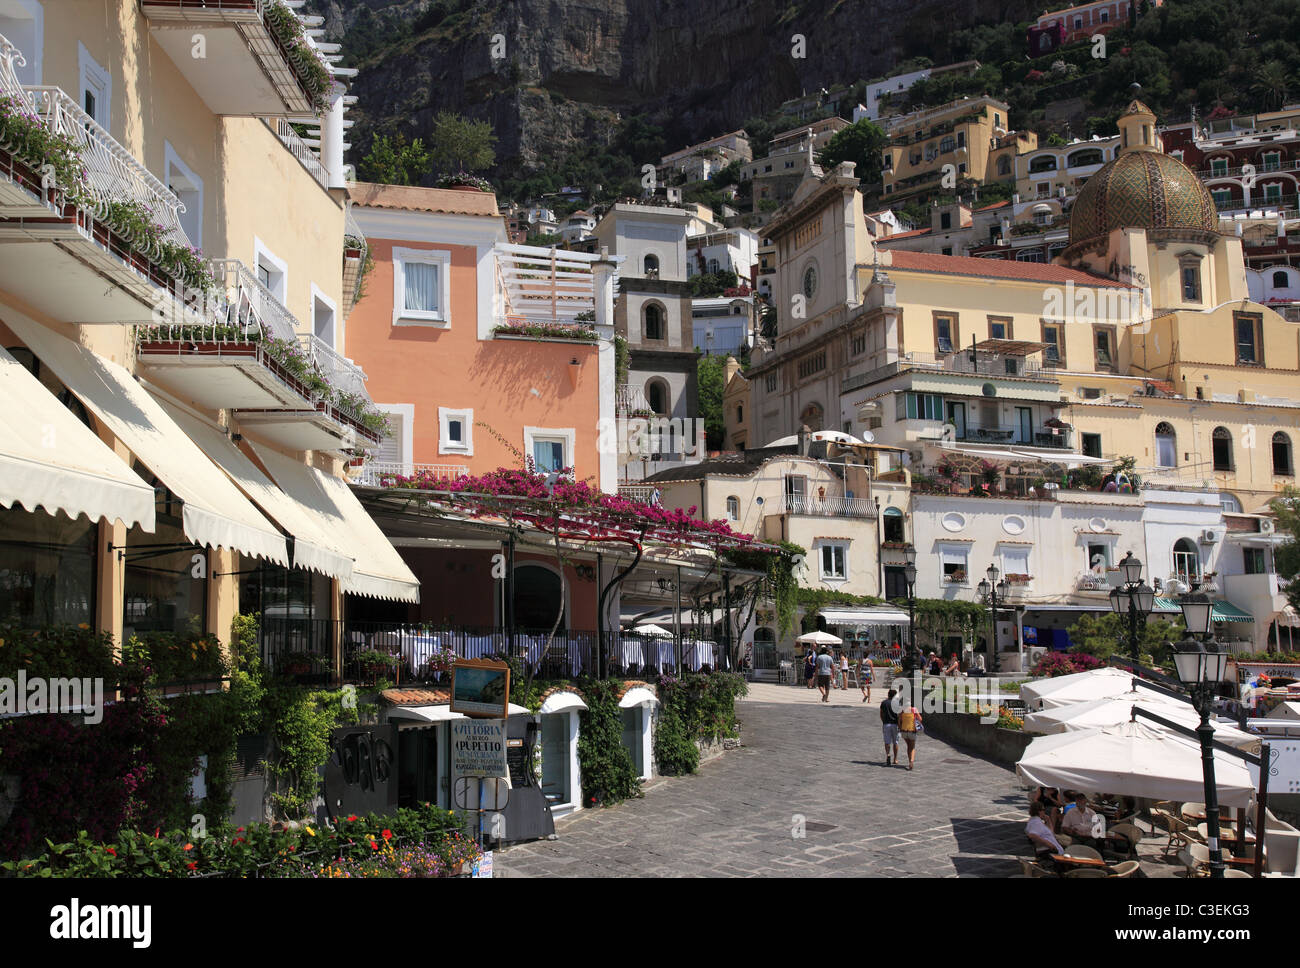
column 1222, row 611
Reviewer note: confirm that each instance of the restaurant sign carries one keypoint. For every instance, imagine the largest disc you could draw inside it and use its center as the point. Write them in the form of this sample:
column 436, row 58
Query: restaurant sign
column 481, row 687
column 478, row 747
column 1274, row 670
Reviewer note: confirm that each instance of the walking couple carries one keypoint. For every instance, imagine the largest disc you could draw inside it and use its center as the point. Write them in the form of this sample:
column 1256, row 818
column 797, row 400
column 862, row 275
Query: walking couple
column 896, row 717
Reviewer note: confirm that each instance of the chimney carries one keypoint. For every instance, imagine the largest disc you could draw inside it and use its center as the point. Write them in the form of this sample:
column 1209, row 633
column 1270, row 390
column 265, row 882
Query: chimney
column 804, row 433
column 729, row 369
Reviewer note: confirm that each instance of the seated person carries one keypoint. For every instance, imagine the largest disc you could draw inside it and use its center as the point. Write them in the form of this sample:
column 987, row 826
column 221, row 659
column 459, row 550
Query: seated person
column 1040, row 835
column 953, row 668
column 1050, row 800
column 1079, row 820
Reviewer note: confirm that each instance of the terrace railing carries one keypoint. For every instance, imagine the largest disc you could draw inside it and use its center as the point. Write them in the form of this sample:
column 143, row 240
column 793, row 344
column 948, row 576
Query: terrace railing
column 301, row 150
column 114, row 175
column 343, row 375
column 842, row 507
column 374, row 472
column 10, row 85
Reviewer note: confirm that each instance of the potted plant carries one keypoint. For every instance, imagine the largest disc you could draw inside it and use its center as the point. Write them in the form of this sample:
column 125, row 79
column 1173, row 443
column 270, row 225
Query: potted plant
column 463, row 181
column 302, row 663
column 376, row 663
column 955, row 577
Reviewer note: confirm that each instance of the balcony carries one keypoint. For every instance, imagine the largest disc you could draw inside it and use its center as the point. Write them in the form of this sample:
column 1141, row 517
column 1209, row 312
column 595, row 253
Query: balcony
column 379, row 473
column 240, row 350
column 356, row 263
column 638, row 492
column 631, row 400
column 1208, row 173
column 984, row 364
column 836, row 507
column 99, row 234
column 547, row 293
column 257, row 59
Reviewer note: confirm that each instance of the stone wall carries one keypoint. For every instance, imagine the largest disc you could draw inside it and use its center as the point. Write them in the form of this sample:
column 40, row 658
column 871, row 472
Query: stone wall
column 966, row 730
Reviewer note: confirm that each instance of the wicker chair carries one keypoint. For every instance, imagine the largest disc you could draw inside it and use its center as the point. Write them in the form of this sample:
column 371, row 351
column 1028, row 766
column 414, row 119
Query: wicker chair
column 1082, row 850
column 1129, row 833
column 1087, row 872
column 1178, row 838
column 1233, row 872
column 1195, row 859
column 1127, row 869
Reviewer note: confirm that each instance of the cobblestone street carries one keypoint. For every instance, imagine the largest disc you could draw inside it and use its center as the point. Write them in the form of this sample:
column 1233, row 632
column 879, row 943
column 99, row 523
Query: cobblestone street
column 955, row 815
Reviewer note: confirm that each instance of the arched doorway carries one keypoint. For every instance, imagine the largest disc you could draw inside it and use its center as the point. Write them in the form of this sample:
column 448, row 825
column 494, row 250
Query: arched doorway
column 537, row 597
column 764, row 648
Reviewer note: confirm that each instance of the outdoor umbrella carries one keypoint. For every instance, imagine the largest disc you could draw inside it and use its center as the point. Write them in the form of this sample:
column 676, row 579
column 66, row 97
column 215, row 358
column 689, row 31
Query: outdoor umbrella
column 820, row 638
column 1132, row 760
column 1096, row 713
column 1079, row 687
column 654, row 631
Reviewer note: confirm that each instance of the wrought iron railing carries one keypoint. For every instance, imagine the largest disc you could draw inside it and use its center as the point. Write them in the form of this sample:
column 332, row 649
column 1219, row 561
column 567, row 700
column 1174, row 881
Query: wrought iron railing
column 10, row 85
column 343, row 375
column 290, row 138
column 113, row 173
column 843, row 507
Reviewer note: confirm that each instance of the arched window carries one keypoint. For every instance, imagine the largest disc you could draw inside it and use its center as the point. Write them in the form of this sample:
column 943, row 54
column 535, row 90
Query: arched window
column 652, row 265
column 653, row 327
column 1187, row 561
column 1282, row 460
column 733, row 509
column 657, row 396
column 1166, row 446
column 1088, row 156
column 1280, row 280
column 1042, row 163
column 1221, row 444
column 812, row 416
column 537, row 597
column 1229, row 503
column 894, row 524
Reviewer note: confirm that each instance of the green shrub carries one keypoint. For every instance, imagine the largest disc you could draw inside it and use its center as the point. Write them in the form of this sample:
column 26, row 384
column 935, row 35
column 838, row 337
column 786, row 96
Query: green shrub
column 608, row 775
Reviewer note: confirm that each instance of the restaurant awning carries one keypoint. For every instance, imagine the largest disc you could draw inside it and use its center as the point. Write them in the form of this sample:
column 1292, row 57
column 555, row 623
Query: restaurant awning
column 313, row 549
column 378, row 571
column 214, row 513
column 562, row 702
column 1220, row 611
column 637, row 696
column 864, row 616
column 425, row 714
column 51, row 459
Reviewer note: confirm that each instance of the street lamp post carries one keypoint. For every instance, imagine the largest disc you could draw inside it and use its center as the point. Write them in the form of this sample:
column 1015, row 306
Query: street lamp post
column 1134, row 598
column 994, row 593
column 909, row 575
column 1201, row 664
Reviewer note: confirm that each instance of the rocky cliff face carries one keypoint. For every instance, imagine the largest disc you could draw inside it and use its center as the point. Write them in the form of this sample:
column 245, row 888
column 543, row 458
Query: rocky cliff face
column 571, row 68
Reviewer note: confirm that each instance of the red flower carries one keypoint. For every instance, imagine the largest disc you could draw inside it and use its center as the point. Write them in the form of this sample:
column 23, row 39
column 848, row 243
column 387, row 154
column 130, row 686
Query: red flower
column 292, row 848
column 388, row 835
column 188, row 847
column 373, row 845
column 192, row 865
column 353, row 817
column 111, row 851
column 157, row 832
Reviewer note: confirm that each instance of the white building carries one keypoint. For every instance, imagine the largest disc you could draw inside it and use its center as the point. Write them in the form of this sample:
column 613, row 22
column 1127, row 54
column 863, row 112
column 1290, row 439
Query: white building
column 724, row 250
column 879, row 92
column 579, row 225
column 722, row 325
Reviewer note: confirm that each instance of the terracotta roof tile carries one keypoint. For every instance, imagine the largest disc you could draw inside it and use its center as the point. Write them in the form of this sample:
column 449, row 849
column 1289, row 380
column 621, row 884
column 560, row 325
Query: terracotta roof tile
column 963, row 265
column 986, row 208
column 631, row 684
column 416, row 697
column 554, row 690
column 415, row 199
column 904, row 235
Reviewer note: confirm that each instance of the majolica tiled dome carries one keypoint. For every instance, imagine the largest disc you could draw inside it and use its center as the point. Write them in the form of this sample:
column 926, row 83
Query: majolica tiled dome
column 1142, row 188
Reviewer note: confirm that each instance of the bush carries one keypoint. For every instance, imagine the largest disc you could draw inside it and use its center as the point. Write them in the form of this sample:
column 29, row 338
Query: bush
column 608, row 775
column 699, row 707
column 1065, row 663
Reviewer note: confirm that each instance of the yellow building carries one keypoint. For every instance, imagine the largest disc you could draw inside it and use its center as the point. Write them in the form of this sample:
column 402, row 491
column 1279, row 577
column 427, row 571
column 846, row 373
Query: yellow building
column 735, row 407
column 968, row 140
column 177, row 277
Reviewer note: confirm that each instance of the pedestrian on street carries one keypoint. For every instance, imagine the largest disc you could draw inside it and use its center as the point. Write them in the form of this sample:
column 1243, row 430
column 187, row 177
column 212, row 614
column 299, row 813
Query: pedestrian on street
column 889, row 725
column 844, row 670
column 825, row 669
column 809, row 666
column 909, row 724
column 865, row 669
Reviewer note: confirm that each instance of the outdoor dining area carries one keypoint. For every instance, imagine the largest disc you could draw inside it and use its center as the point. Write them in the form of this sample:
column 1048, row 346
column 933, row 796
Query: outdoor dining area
column 1117, row 786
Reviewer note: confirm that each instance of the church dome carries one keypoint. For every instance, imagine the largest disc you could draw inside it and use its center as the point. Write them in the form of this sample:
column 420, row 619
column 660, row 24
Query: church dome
column 1142, row 188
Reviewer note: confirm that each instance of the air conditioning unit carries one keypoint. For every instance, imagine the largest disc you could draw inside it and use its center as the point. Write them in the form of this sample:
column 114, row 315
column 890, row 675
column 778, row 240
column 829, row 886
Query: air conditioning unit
column 1266, row 525
column 1034, row 653
column 1209, row 536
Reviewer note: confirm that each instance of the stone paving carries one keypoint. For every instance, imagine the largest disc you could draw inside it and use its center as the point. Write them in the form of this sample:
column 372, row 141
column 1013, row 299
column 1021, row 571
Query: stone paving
column 955, row 815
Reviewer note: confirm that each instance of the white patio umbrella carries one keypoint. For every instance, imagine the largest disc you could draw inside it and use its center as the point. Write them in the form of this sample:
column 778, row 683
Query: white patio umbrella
column 1133, row 760
column 838, row 436
column 653, row 631
column 1079, row 687
column 820, row 638
column 1098, row 713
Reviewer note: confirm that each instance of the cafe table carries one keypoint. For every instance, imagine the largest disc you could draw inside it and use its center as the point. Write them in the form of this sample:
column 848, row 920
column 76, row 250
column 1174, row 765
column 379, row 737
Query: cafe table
column 1066, row 859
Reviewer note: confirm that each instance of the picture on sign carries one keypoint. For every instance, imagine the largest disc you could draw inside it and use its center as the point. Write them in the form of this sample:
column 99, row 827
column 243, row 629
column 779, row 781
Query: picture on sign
column 478, row 747
column 480, row 688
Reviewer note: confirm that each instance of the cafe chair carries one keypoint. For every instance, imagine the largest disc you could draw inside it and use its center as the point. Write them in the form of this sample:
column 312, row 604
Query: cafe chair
column 1126, row 869
column 1087, row 872
column 1129, row 833
column 1083, row 850
column 1029, row 868
column 1195, row 859
column 1194, row 812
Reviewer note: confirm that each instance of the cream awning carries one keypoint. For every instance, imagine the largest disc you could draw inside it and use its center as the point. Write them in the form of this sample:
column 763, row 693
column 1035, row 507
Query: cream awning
column 637, row 696
column 378, row 571
column 562, row 702
column 50, row 458
column 313, row 549
column 440, row 713
column 214, row 514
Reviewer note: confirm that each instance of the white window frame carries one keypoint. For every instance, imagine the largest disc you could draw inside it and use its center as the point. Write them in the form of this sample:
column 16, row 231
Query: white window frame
column 316, row 294
column 733, row 508
column 441, row 319
column 95, row 78
column 566, row 434
column 822, row 547
column 445, row 444
column 173, row 160
column 265, row 258
column 1016, row 551
column 407, row 444
column 954, row 550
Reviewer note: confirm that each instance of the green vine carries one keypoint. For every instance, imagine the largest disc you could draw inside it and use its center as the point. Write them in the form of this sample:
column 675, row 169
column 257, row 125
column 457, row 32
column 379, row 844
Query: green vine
column 782, row 585
column 608, row 775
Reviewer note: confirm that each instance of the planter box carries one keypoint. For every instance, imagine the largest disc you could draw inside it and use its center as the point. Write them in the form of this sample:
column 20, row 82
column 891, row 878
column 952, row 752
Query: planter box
column 965, row 730
column 544, row 339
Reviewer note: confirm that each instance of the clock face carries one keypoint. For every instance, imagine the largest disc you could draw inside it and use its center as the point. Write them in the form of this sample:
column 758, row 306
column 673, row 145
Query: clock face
column 809, row 282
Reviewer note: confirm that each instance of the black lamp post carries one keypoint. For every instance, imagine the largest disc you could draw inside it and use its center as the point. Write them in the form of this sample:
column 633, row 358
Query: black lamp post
column 994, row 592
column 1201, row 666
column 909, row 576
column 1134, row 598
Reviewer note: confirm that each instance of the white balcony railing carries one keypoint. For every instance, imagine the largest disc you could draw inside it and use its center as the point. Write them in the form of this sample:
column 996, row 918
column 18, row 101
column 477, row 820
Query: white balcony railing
column 301, row 150
column 343, row 375
column 541, row 285
column 842, row 507
column 114, row 175
column 629, row 398
column 10, row 85
column 373, row 472
column 637, row 492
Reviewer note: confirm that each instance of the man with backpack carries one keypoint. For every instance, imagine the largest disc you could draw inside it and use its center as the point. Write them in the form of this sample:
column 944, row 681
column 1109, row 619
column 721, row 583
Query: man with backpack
column 889, row 724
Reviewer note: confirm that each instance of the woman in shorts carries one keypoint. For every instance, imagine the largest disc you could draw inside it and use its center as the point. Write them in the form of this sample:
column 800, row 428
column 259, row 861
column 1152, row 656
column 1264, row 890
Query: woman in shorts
column 865, row 669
